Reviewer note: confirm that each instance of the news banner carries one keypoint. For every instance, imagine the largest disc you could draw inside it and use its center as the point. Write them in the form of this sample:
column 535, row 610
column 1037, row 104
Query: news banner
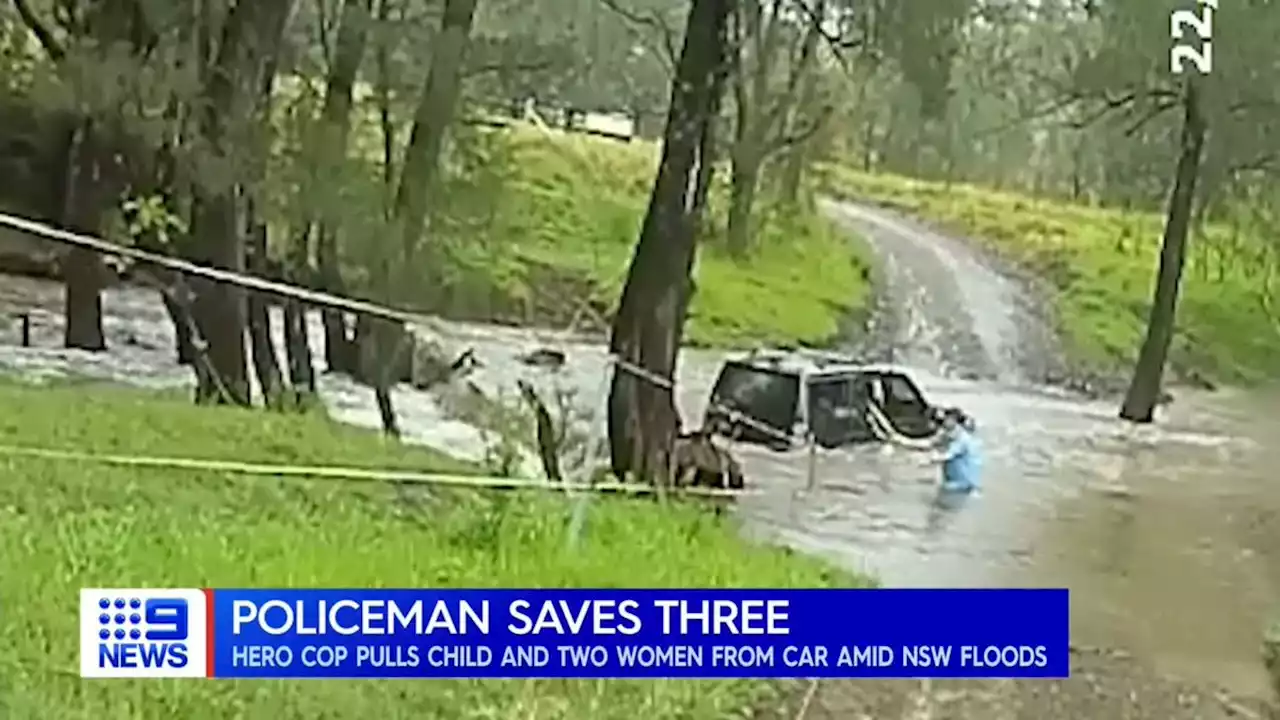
column 259, row 633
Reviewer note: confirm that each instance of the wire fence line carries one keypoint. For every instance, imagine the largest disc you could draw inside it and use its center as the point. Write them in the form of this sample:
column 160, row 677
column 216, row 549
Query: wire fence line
column 312, row 297
column 881, row 425
column 248, row 281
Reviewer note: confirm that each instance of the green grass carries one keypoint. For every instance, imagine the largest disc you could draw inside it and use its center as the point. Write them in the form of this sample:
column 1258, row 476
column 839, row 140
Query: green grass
column 1100, row 265
column 68, row 525
column 565, row 215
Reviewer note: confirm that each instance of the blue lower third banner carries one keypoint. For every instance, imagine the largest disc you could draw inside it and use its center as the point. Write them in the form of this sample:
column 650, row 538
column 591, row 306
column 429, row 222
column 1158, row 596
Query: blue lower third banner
column 132, row 633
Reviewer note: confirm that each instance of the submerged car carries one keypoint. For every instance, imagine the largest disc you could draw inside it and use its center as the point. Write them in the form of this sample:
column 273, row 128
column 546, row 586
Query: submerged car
column 783, row 399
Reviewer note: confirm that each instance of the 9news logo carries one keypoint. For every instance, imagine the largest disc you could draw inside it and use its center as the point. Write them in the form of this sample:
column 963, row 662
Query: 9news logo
column 139, row 633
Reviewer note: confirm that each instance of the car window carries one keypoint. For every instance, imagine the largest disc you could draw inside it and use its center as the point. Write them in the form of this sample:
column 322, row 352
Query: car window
column 898, row 389
column 831, row 393
column 767, row 396
column 837, row 409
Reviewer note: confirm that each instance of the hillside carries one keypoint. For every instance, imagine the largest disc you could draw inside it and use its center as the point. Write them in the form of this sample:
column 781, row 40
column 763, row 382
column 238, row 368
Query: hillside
column 561, row 214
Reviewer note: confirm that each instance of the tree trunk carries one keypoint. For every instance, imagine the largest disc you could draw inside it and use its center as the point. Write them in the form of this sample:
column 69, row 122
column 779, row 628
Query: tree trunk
column 1144, row 390
column 431, row 120
column 266, row 362
column 759, row 113
column 744, row 182
column 793, row 173
column 374, row 342
column 251, row 33
column 182, row 340
column 219, row 308
column 389, row 345
column 83, row 271
column 353, row 35
column 340, row 352
column 798, row 155
column 266, row 365
column 642, row 418
column 297, row 344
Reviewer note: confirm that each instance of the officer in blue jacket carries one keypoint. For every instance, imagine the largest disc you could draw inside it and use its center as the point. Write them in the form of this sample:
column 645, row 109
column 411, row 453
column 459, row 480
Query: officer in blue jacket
column 961, row 459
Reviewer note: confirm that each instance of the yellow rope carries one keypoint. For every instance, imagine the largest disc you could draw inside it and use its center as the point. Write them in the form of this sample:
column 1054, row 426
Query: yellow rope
column 334, row 472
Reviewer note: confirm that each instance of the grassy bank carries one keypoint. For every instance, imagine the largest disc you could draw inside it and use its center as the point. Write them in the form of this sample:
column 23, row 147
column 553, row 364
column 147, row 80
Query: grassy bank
column 66, row 525
column 559, row 218
column 1100, row 267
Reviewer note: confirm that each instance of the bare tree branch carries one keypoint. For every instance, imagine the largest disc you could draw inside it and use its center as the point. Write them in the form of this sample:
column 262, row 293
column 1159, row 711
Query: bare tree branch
column 323, row 35
column 1152, row 113
column 652, row 20
column 838, row 45
column 500, row 65
column 811, row 128
column 66, row 13
column 1262, row 163
column 37, row 27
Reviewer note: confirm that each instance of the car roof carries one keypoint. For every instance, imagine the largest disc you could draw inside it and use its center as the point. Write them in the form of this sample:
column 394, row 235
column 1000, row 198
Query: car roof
column 810, row 362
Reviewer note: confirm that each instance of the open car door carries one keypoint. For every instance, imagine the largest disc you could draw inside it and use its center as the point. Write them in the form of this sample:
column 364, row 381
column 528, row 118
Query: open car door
column 904, row 405
column 837, row 411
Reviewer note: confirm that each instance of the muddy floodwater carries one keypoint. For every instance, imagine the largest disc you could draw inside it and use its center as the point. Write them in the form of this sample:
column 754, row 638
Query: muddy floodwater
column 1167, row 535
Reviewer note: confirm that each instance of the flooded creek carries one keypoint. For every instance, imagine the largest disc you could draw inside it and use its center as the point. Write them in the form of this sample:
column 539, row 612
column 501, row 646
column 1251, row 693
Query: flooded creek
column 1168, row 536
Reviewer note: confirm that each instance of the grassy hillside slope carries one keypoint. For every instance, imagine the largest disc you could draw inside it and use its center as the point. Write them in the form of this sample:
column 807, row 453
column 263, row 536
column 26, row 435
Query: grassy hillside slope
column 552, row 225
column 1100, row 267
column 66, row 525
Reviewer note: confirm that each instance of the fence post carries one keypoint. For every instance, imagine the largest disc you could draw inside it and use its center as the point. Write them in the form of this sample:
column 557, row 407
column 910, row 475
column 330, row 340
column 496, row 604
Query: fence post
column 25, row 320
column 813, row 463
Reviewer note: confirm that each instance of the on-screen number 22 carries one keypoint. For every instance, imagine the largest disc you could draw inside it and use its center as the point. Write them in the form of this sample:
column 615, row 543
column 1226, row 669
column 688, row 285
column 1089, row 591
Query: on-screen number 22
column 1202, row 24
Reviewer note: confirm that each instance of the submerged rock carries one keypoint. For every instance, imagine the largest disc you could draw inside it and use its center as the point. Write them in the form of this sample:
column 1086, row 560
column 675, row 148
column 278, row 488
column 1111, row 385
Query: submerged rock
column 545, row 358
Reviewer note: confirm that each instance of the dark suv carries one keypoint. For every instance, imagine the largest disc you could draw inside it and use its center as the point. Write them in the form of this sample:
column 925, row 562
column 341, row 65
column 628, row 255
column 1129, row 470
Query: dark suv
column 781, row 399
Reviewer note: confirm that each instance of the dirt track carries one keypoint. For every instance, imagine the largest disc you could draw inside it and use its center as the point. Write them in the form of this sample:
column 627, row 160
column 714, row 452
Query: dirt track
column 946, row 309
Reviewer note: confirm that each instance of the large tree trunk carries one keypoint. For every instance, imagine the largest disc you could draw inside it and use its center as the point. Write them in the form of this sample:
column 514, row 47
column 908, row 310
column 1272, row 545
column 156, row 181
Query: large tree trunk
column 251, row 33
column 759, row 113
column 83, row 270
column 744, row 182
column 391, row 343
column 353, row 35
column 797, row 158
column 182, row 339
column 297, row 345
column 431, row 121
column 219, row 308
column 97, row 178
column 1144, row 390
column 647, row 330
column 266, row 362
column 266, row 365
column 340, row 354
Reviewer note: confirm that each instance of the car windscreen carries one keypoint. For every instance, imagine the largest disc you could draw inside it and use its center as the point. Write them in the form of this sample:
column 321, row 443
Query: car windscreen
column 837, row 410
column 765, row 395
